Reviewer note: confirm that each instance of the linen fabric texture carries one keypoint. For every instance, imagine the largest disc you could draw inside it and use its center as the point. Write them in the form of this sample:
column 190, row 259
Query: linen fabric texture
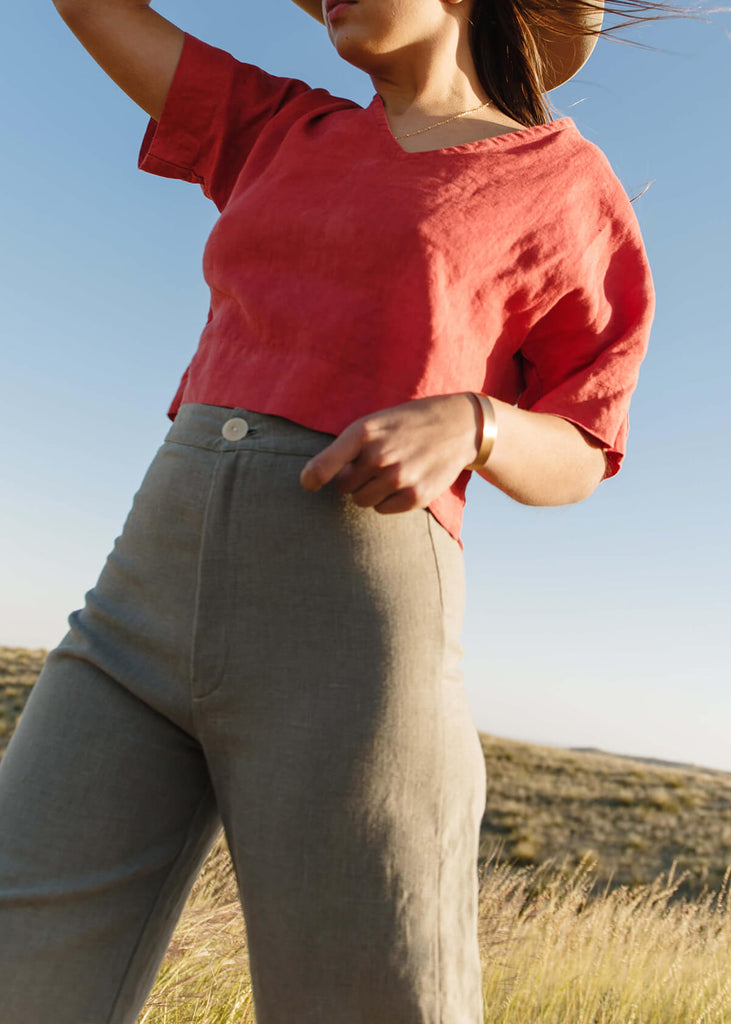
column 286, row 663
column 349, row 276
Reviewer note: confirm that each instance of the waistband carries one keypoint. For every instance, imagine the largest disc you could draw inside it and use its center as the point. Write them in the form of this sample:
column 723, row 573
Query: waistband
column 222, row 428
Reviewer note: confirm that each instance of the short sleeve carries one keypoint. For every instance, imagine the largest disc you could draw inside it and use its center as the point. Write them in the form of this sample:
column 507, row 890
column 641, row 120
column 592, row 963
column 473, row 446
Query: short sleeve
column 213, row 115
column 582, row 357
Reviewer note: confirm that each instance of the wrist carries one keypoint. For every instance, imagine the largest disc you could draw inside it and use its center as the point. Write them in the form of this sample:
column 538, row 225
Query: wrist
column 486, row 429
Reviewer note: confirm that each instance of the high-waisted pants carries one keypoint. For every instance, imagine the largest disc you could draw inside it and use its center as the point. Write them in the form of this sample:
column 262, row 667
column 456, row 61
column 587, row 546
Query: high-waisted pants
column 285, row 663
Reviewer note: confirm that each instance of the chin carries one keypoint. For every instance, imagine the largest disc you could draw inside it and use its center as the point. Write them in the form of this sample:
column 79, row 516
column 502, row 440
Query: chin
column 357, row 49
column 352, row 52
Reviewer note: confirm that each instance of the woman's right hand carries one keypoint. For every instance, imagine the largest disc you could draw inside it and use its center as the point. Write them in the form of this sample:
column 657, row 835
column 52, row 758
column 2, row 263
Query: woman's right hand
column 136, row 46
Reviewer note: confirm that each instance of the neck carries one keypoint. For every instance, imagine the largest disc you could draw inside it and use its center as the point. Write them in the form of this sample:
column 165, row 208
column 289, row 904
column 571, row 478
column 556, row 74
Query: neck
column 429, row 84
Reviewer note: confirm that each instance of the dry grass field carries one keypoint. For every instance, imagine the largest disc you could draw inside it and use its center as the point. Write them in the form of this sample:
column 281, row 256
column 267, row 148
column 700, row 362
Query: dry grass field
column 19, row 669
column 551, row 953
column 633, row 818
column 610, row 904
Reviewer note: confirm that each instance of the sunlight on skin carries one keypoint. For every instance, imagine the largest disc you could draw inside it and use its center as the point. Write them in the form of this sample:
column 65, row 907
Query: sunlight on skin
column 403, row 458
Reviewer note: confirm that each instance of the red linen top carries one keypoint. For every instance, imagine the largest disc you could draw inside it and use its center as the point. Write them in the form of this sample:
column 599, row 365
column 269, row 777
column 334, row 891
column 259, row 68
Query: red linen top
column 348, row 275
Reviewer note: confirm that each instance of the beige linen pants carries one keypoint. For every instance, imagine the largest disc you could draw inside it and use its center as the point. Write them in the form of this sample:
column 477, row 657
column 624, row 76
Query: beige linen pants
column 286, row 664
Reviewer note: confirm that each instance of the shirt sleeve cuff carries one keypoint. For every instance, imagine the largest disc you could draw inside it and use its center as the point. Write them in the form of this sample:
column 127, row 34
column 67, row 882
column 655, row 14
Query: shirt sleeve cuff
column 173, row 147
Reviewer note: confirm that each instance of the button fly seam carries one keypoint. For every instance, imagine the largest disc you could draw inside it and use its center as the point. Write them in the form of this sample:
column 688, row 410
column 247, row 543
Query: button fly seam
column 198, row 584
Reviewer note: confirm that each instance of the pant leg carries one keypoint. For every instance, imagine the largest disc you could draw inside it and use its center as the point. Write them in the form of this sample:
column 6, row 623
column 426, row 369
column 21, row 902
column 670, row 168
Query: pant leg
column 312, row 648
column 346, row 765
column 106, row 806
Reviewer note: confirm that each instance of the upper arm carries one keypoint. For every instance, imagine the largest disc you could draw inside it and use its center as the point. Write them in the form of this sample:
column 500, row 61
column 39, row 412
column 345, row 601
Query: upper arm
column 581, row 358
column 134, row 45
column 215, row 112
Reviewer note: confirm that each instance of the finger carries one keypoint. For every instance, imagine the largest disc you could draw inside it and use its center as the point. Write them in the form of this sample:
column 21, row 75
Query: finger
column 386, row 488
column 323, row 466
column 373, row 492
column 355, row 475
column 345, row 480
column 401, row 501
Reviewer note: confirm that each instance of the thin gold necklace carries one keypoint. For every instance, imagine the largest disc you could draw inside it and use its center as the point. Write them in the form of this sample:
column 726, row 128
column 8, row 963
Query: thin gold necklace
column 439, row 124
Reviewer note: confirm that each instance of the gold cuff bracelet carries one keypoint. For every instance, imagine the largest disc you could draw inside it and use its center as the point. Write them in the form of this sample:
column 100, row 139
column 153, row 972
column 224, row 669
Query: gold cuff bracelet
column 489, row 431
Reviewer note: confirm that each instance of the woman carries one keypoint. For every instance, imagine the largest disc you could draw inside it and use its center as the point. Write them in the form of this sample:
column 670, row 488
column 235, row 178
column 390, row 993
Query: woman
column 439, row 283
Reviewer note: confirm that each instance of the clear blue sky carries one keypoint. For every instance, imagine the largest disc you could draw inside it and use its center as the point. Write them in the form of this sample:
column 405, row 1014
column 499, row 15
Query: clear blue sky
column 604, row 623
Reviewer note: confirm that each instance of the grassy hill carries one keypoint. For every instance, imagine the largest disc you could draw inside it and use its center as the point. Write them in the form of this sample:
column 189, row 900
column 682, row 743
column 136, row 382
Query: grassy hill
column 633, row 818
column 19, row 669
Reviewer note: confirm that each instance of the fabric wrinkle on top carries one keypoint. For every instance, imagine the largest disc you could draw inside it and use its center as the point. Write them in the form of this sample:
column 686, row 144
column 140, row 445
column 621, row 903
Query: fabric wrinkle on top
column 349, row 276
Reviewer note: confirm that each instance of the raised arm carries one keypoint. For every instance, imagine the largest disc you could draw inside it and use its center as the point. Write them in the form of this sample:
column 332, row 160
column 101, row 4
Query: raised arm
column 136, row 46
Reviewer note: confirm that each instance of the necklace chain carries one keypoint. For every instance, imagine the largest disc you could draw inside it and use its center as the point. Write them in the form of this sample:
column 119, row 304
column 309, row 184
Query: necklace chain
column 454, row 117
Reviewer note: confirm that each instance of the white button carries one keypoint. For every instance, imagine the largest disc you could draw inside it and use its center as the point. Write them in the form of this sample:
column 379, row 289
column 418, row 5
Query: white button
column 235, row 429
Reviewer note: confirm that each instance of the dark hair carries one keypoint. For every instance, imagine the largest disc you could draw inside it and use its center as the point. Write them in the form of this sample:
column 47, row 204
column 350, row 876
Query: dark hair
column 507, row 59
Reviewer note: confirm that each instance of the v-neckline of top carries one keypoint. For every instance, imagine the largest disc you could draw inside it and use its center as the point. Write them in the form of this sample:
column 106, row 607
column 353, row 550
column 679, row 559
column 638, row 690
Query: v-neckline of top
column 516, row 135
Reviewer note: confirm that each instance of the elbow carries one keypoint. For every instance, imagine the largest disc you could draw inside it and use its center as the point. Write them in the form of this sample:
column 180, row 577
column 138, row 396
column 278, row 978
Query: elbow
column 589, row 470
column 593, row 472
column 582, row 493
column 568, row 488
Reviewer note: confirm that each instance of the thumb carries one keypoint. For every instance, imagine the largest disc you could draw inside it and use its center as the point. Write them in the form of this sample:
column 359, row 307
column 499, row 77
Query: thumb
column 326, row 464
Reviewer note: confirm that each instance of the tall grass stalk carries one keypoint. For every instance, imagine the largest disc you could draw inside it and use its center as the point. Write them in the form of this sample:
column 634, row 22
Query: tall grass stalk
column 554, row 951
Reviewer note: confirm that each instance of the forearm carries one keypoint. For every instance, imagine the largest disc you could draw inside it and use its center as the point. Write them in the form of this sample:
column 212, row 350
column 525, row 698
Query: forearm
column 136, row 46
column 540, row 459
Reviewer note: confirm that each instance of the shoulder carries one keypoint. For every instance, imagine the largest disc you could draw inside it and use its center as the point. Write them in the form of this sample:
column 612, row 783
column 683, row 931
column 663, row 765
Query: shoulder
column 595, row 172
column 203, row 62
column 592, row 196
